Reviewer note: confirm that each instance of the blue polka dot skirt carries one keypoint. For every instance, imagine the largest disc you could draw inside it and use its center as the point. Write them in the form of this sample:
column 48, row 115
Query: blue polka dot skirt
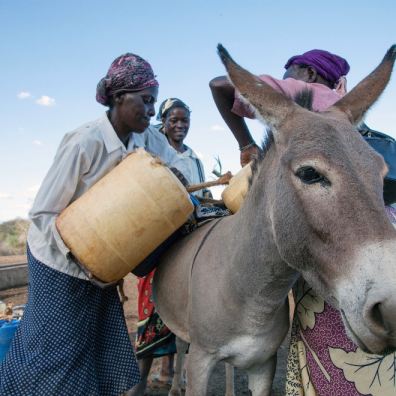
column 72, row 340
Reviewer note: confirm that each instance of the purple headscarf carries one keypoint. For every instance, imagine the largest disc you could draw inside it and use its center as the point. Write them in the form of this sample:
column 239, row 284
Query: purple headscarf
column 128, row 72
column 330, row 66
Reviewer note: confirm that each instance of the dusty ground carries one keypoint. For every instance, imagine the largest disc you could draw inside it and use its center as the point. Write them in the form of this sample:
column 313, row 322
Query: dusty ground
column 217, row 381
column 5, row 260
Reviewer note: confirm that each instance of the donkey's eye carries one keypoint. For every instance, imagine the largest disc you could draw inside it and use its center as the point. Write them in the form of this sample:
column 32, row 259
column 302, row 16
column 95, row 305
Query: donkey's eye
column 309, row 175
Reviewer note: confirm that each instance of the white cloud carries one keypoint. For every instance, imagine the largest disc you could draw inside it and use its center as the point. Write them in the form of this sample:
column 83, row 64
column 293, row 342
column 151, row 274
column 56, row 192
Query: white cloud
column 5, row 196
column 37, row 143
column 46, row 101
column 34, row 188
column 23, row 95
column 217, row 128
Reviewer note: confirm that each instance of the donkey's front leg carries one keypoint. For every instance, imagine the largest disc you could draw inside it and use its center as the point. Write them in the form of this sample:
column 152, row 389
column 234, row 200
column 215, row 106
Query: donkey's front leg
column 199, row 367
column 261, row 377
column 181, row 348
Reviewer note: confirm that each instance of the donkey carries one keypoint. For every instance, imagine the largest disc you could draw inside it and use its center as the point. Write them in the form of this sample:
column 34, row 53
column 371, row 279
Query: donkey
column 314, row 208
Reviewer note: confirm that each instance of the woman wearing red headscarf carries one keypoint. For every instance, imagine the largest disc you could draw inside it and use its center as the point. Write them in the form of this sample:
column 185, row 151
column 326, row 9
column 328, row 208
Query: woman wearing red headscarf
column 73, row 338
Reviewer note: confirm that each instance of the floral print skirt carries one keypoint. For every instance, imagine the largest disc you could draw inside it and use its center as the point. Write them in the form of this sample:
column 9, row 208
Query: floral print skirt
column 324, row 361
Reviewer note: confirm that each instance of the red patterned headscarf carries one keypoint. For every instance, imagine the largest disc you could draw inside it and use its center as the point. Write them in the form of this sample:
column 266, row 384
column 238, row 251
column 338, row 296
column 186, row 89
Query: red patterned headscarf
column 127, row 73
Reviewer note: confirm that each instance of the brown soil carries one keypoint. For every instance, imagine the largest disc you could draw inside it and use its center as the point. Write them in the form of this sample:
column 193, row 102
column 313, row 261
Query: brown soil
column 5, row 260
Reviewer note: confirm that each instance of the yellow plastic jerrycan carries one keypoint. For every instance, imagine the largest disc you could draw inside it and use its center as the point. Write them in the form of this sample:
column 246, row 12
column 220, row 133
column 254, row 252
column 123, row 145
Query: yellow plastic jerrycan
column 120, row 220
column 234, row 194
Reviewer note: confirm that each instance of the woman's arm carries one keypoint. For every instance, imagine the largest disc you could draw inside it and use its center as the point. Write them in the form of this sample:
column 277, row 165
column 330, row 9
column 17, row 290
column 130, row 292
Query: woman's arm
column 224, row 95
column 57, row 191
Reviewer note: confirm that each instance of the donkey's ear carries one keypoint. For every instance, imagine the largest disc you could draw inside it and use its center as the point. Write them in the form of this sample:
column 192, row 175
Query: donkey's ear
column 359, row 100
column 270, row 105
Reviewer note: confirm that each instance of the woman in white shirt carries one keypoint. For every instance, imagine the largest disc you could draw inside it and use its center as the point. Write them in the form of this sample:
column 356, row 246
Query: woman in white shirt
column 174, row 115
column 153, row 338
column 73, row 338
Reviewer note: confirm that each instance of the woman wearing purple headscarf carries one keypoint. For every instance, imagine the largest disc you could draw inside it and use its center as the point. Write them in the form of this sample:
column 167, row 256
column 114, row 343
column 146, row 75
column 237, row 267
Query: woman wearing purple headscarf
column 320, row 71
column 73, row 338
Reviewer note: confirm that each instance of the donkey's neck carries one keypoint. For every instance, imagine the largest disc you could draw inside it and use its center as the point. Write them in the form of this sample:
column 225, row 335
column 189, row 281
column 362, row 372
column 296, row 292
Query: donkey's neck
column 258, row 272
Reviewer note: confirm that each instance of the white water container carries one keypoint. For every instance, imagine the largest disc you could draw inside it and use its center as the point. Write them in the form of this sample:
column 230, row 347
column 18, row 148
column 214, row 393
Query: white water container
column 120, row 220
column 234, row 194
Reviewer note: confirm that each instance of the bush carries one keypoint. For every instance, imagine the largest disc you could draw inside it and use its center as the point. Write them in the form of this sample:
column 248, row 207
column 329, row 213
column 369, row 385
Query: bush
column 13, row 237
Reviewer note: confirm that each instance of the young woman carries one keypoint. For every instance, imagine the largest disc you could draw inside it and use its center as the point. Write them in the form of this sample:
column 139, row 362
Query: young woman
column 73, row 338
column 174, row 115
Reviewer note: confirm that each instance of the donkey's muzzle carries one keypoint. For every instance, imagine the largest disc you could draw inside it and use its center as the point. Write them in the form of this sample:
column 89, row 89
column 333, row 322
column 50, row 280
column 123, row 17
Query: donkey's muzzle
column 380, row 318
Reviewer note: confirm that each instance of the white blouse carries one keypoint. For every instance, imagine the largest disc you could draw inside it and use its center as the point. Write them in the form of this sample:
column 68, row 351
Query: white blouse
column 83, row 157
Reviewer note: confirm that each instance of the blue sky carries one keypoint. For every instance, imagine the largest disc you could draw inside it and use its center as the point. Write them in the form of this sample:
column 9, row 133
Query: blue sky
column 53, row 53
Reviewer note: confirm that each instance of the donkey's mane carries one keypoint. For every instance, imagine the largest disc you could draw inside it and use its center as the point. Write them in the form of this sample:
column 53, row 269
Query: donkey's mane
column 265, row 146
column 304, row 99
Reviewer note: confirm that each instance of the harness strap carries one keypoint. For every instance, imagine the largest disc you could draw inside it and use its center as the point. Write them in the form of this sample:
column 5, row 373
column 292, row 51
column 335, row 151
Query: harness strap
column 200, row 172
column 215, row 222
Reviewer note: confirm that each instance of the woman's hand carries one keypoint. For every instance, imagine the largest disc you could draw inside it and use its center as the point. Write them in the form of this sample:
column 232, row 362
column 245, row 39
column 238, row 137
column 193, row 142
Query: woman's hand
column 249, row 154
column 224, row 96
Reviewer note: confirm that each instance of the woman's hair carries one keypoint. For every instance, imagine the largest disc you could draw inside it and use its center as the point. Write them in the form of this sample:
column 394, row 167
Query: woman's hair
column 169, row 104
